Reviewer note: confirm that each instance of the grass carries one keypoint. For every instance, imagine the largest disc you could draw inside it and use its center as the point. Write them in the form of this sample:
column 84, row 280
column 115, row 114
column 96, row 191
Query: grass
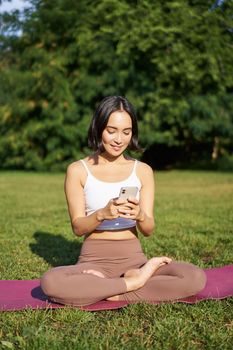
column 194, row 223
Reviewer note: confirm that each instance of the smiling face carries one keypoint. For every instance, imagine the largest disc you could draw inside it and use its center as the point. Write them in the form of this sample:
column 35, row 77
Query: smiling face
column 117, row 133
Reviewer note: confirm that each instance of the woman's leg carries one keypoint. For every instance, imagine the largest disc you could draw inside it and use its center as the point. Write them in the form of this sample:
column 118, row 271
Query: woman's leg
column 170, row 282
column 69, row 285
column 79, row 284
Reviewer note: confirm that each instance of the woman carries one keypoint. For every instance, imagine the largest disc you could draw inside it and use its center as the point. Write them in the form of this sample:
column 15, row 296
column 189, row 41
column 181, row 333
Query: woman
column 111, row 264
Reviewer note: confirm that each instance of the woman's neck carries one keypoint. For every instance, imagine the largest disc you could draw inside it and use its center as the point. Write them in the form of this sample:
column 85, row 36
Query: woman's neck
column 107, row 158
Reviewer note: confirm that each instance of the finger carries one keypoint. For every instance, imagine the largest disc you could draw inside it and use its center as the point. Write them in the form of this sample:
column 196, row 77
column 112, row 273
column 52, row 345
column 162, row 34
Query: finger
column 133, row 200
column 126, row 207
column 125, row 210
column 119, row 201
column 130, row 206
column 128, row 214
column 114, row 212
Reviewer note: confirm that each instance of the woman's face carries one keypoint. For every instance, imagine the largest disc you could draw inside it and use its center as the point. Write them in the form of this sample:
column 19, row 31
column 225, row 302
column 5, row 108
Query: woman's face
column 117, row 133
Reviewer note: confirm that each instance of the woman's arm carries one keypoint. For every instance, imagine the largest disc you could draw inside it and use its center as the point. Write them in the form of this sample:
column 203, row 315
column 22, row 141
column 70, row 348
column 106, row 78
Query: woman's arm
column 143, row 210
column 82, row 224
column 74, row 183
column 145, row 219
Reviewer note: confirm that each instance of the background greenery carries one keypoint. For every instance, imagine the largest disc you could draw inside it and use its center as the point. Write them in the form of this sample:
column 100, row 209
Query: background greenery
column 194, row 216
column 172, row 59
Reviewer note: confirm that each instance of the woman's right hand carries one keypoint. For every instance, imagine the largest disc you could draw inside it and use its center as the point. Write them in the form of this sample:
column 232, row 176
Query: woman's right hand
column 111, row 212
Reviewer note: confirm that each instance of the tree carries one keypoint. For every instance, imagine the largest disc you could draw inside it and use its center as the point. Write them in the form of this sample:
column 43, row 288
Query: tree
column 172, row 59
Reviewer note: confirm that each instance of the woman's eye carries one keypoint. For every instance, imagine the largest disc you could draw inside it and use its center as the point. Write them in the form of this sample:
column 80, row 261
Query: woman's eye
column 111, row 132
column 126, row 133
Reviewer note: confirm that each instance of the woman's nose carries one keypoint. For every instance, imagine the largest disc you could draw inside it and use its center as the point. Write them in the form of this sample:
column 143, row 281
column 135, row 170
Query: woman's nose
column 118, row 138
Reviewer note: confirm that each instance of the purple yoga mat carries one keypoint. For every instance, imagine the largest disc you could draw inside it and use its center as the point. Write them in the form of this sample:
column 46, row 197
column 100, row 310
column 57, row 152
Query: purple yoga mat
column 22, row 294
column 219, row 285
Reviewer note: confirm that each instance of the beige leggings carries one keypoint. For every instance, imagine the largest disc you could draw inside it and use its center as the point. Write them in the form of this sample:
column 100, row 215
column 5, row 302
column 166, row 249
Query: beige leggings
column 68, row 285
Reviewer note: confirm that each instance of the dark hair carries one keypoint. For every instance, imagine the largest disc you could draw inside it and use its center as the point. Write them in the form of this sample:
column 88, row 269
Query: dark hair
column 100, row 118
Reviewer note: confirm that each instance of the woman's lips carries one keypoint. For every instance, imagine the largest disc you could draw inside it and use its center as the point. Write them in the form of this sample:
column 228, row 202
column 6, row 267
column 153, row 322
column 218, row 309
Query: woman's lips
column 116, row 148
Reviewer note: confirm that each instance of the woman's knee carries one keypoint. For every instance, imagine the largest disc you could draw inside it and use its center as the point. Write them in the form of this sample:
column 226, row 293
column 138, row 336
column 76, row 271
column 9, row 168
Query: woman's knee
column 49, row 283
column 201, row 278
column 196, row 279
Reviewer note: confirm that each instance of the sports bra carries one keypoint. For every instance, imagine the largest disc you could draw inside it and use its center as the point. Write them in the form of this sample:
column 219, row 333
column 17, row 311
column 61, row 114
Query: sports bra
column 98, row 193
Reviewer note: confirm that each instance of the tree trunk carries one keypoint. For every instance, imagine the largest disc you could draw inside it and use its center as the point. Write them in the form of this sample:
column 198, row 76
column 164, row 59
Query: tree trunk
column 215, row 151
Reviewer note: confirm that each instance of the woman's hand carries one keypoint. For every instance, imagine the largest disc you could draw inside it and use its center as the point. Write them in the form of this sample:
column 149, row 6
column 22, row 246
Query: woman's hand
column 131, row 210
column 112, row 209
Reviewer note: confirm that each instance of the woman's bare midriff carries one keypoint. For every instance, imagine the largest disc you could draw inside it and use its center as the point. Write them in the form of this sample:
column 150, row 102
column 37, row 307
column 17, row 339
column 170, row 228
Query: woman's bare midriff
column 114, row 235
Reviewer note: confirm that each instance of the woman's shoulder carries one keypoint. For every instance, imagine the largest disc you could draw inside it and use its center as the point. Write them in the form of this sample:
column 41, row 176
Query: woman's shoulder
column 76, row 167
column 145, row 173
column 76, row 172
column 144, row 168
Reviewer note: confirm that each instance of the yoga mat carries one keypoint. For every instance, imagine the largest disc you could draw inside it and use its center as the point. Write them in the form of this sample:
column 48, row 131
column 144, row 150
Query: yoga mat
column 219, row 285
column 22, row 294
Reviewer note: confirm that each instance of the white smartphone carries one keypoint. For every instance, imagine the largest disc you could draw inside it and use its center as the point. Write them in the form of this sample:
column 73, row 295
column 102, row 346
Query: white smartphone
column 128, row 191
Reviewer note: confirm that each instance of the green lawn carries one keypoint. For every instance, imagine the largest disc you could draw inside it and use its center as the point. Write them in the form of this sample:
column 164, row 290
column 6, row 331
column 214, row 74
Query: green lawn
column 194, row 216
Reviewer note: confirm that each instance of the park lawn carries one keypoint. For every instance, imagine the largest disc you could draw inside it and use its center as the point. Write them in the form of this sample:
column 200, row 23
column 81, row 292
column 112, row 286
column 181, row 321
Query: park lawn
column 194, row 218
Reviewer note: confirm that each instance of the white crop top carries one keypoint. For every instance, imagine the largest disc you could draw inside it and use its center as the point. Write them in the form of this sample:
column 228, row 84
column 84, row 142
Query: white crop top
column 98, row 193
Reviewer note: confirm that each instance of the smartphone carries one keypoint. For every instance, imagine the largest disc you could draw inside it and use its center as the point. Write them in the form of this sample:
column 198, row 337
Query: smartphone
column 128, row 191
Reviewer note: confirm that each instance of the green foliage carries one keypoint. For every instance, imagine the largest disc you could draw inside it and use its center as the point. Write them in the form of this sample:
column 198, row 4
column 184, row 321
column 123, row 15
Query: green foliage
column 172, row 59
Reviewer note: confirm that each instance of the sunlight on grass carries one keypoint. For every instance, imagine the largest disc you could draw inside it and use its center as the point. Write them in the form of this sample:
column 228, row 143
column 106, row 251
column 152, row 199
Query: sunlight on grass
column 194, row 216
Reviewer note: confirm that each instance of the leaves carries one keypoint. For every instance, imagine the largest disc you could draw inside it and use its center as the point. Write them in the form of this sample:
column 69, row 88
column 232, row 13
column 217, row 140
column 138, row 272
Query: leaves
column 173, row 60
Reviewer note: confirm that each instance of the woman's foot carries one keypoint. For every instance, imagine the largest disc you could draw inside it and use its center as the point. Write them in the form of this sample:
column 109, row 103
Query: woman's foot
column 132, row 273
column 129, row 273
column 114, row 298
column 138, row 277
column 94, row 272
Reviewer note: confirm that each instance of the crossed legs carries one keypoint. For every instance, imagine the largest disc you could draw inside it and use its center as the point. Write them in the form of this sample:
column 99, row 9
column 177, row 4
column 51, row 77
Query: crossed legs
column 157, row 280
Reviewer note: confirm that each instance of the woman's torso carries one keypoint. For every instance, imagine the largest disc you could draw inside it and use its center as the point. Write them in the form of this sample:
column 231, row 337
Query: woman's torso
column 103, row 182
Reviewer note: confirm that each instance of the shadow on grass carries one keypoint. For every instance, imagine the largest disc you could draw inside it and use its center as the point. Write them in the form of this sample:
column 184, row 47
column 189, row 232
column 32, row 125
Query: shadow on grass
column 55, row 249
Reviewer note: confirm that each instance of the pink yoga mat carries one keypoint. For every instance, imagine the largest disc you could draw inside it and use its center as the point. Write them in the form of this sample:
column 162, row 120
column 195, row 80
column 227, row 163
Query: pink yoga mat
column 22, row 294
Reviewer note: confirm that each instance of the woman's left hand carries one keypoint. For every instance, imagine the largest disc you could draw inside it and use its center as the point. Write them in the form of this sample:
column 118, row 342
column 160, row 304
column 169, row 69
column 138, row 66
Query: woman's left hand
column 131, row 210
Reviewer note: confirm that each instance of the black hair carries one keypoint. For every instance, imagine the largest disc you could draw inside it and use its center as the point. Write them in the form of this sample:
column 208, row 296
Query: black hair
column 100, row 118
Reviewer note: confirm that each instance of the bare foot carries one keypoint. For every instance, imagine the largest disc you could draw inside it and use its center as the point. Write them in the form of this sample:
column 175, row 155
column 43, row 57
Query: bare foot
column 132, row 273
column 139, row 277
column 114, row 298
column 154, row 263
column 136, row 278
column 136, row 272
column 94, row 272
column 129, row 273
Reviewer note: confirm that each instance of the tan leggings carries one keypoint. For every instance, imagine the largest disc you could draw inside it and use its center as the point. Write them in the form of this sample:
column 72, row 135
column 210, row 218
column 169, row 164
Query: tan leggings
column 68, row 285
